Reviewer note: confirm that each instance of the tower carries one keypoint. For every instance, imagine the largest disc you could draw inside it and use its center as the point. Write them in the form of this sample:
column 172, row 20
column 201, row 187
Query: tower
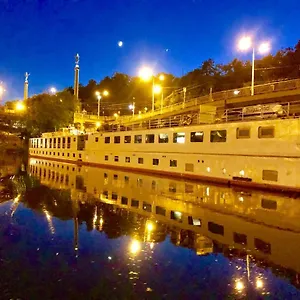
column 76, row 80
column 26, row 86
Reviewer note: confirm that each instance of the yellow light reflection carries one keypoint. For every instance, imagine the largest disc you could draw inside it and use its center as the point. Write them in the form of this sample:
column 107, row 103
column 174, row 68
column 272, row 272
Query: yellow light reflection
column 157, row 89
column 259, row 283
column 20, row 106
column 239, row 285
column 150, row 226
column 145, row 73
column 135, row 247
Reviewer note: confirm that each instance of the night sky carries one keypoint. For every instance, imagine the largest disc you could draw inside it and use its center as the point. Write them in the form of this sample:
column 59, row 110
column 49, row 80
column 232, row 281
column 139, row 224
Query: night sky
column 43, row 36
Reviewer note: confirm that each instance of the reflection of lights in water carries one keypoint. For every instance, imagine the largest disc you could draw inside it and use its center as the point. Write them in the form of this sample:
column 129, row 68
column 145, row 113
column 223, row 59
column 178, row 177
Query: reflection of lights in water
column 259, row 283
column 101, row 221
column 149, row 226
column 14, row 205
column 49, row 219
column 241, row 199
column 151, row 245
column 95, row 217
column 239, row 285
column 135, row 247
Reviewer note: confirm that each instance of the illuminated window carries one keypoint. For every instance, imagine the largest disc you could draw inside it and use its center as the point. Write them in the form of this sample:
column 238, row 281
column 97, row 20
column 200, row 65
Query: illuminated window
column 163, row 138
column 218, row 136
column 147, row 207
column 138, row 139
column 179, row 137
column 197, row 137
column 173, row 163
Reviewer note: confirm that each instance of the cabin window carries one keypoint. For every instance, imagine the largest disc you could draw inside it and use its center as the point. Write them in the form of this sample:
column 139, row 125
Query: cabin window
column 140, row 160
column 74, row 139
column 160, row 211
column 147, row 206
column 197, row 137
column 105, row 175
column 268, row 204
column 67, row 155
column 114, row 196
column 149, row 138
column 54, row 142
column 69, row 143
column 176, row 215
column 173, row 163
column 79, row 155
column 50, row 143
column 155, row 162
column 107, row 140
column 172, row 187
column 262, row 246
column 216, row 228
column 194, row 221
column 266, row 132
column 63, row 154
column 105, row 194
column 117, row 139
column 243, row 133
column 116, row 158
column 74, row 155
column 189, row 188
column 163, row 138
column 134, row 203
column 138, row 139
column 58, row 153
column 126, row 178
column 240, row 238
column 127, row 139
column 106, row 157
column 189, row 167
column 270, row 175
column 179, row 137
column 127, row 159
column 115, row 176
column 96, row 139
column 124, row 200
column 58, row 142
column 218, row 136
column 63, row 142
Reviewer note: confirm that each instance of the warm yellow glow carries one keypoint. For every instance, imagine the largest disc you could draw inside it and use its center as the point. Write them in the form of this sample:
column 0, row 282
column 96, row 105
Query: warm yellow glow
column 151, row 245
column 242, row 173
column 161, row 77
column 245, row 43
column 239, row 285
column 1, row 90
column 97, row 93
column 145, row 73
column 116, row 115
column 98, row 124
column 20, row 106
column 259, row 283
column 53, row 90
column 149, row 226
column 105, row 93
column 264, row 48
column 157, row 89
column 145, row 108
column 135, row 247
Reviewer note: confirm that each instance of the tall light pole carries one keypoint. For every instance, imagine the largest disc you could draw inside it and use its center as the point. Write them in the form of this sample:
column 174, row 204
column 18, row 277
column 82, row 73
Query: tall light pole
column 245, row 44
column 146, row 74
column 99, row 97
column 2, row 90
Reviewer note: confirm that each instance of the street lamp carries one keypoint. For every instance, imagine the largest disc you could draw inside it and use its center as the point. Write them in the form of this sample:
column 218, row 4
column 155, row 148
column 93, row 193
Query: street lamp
column 132, row 107
column 53, row 90
column 146, row 74
column 245, row 43
column 99, row 96
column 2, row 90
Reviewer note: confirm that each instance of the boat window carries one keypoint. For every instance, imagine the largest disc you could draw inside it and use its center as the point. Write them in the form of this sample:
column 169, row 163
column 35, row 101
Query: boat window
column 115, row 176
column 266, row 132
column 127, row 159
column 179, row 137
column 194, row 221
column 139, row 182
column 134, row 203
column 140, row 160
column 105, row 194
column 73, row 154
column 149, row 138
column 63, row 142
column 116, row 158
column 147, row 207
column 218, row 136
column 240, row 238
column 197, row 137
column 243, row 133
column 270, row 175
column 176, row 215
column 117, row 139
column 107, row 140
column 173, row 163
column 163, row 138
column 189, row 188
column 155, row 162
column 172, row 187
column 268, row 204
column 114, row 196
column 160, row 210
column 216, row 228
column 189, row 167
column 124, row 200
column 69, row 143
column 96, row 139
column 262, row 246
column 138, row 139
column 106, row 157
column 127, row 139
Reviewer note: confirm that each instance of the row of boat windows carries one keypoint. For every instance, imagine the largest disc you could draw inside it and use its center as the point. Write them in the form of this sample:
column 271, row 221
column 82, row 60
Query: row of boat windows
column 64, row 142
column 67, row 154
column 216, row 136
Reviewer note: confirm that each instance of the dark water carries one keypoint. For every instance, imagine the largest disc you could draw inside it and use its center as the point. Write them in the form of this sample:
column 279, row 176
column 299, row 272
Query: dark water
column 71, row 232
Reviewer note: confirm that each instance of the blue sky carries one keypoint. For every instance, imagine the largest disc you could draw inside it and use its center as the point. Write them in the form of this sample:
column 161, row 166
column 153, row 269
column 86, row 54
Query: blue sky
column 43, row 36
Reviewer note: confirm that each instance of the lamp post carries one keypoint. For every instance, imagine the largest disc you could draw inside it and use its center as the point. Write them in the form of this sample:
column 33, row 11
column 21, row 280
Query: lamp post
column 2, row 90
column 245, row 44
column 132, row 107
column 146, row 74
column 99, row 97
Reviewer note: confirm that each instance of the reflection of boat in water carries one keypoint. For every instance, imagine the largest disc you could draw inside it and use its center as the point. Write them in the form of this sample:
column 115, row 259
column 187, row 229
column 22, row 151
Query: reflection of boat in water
column 203, row 217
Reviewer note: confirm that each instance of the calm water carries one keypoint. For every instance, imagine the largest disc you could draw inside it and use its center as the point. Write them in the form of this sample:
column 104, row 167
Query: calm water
column 71, row 232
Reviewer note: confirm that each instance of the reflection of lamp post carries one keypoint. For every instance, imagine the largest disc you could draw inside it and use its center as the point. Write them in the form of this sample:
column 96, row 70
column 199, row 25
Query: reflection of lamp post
column 99, row 96
column 245, row 44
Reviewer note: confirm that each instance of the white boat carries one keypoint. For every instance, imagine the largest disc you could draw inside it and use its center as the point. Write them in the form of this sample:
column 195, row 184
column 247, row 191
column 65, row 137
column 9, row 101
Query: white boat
column 244, row 150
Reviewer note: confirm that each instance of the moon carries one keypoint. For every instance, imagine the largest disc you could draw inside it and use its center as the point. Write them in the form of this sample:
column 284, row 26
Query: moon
column 120, row 44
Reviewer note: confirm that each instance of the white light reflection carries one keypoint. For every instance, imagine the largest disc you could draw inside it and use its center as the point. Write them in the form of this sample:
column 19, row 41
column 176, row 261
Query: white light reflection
column 49, row 219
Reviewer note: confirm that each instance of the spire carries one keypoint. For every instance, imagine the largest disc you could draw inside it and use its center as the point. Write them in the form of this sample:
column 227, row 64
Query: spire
column 26, row 86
